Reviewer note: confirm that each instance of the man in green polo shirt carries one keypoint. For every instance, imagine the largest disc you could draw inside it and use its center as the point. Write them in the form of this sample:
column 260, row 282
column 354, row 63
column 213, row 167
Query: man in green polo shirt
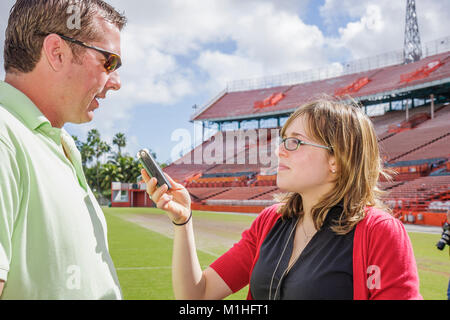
column 53, row 242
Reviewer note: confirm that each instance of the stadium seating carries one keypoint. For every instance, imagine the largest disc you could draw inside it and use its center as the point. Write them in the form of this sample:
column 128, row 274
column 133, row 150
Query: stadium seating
column 384, row 122
column 403, row 143
column 382, row 80
column 243, row 193
column 200, row 194
column 417, row 194
column 438, row 149
column 429, row 141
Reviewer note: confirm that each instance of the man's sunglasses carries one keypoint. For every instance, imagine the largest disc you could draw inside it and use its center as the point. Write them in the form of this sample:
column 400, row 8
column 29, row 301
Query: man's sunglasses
column 113, row 60
column 292, row 144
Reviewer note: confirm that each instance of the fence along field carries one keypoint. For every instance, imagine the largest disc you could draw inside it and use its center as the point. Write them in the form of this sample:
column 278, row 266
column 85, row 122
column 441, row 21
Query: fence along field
column 140, row 242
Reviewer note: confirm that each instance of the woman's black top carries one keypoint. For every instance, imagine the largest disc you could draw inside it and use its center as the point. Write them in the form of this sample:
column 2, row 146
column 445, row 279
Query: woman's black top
column 324, row 269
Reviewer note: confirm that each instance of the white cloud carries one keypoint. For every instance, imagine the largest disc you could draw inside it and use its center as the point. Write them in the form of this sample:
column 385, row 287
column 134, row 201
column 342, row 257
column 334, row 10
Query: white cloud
column 222, row 68
column 359, row 37
column 268, row 41
column 150, row 75
column 278, row 39
column 379, row 27
column 162, row 39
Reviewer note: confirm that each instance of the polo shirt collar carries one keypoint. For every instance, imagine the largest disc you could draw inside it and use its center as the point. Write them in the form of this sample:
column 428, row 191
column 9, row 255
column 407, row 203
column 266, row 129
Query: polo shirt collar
column 20, row 105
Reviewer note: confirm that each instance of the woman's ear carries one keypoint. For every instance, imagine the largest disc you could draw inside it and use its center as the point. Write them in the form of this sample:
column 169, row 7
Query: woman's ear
column 332, row 164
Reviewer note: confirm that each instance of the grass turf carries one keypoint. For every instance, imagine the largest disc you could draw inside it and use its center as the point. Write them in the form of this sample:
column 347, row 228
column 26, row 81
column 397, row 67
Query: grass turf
column 143, row 257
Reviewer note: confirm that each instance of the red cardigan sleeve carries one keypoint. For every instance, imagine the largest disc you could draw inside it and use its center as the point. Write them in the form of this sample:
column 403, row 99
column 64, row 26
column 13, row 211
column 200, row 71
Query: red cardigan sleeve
column 385, row 267
column 235, row 265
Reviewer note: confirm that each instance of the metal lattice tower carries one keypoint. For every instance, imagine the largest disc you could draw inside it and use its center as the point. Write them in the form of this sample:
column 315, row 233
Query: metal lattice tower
column 412, row 49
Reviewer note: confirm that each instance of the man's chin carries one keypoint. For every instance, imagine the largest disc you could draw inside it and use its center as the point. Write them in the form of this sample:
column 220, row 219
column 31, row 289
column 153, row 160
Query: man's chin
column 88, row 117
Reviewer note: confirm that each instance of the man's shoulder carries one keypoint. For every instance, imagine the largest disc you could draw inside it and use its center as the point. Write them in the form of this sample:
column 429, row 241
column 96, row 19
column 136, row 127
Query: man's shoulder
column 6, row 116
column 11, row 127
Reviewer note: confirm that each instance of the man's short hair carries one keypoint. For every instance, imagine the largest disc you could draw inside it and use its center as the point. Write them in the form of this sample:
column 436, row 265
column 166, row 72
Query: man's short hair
column 30, row 20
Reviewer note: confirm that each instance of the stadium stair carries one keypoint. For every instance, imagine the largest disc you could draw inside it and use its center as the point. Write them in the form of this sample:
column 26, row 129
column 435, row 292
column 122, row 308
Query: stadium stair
column 261, row 194
column 421, row 146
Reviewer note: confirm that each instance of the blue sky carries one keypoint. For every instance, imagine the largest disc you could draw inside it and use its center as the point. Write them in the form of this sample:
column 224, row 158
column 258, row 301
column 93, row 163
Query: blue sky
column 177, row 53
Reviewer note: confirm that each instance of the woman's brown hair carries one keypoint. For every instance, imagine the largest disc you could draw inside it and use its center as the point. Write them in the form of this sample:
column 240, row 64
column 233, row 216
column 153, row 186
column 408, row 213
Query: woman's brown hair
column 353, row 141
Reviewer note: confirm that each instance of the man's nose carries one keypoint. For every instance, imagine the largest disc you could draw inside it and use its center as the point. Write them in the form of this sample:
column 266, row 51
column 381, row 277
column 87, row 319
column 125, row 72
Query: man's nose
column 113, row 82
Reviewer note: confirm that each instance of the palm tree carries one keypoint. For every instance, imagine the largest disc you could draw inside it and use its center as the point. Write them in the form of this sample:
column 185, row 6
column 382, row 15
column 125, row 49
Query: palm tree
column 87, row 154
column 93, row 136
column 120, row 141
column 130, row 168
column 99, row 148
column 86, row 151
column 109, row 172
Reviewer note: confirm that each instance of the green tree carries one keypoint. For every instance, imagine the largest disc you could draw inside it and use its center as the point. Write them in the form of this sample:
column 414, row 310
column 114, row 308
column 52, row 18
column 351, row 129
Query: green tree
column 120, row 141
column 123, row 169
column 108, row 173
column 99, row 148
column 86, row 151
column 118, row 168
column 131, row 168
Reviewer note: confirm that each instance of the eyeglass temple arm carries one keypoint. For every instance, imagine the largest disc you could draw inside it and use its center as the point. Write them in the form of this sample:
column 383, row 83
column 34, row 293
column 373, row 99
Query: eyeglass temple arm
column 317, row 145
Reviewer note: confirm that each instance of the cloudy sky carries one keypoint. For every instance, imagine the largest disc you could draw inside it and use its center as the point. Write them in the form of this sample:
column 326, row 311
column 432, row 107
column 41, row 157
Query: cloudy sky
column 177, row 53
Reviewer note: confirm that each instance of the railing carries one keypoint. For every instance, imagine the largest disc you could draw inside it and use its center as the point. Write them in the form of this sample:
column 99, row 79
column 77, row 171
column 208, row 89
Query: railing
column 336, row 69
column 436, row 46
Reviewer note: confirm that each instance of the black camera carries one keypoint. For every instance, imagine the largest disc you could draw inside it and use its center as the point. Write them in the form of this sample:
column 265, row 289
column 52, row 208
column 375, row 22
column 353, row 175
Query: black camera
column 445, row 238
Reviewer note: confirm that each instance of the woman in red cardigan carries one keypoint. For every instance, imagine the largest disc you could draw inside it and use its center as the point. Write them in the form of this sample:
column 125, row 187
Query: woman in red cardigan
column 328, row 238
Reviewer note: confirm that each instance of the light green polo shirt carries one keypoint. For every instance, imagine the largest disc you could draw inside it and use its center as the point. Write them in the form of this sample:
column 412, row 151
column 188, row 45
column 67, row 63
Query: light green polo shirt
column 53, row 242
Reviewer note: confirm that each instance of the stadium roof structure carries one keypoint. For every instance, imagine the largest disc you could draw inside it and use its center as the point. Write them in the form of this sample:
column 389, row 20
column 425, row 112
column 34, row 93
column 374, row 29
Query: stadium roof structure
column 420, row 79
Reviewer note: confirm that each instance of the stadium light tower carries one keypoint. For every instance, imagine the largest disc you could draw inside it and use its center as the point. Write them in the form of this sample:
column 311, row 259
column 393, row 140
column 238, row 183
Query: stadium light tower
column 412, row 49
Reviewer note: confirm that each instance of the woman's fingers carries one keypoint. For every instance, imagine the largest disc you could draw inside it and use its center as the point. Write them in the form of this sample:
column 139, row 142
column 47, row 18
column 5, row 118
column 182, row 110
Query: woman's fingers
column 159, row 193
column 151, row 183
column 163, row 197
column 164, row 202
column 172, row 182
column 145, row 175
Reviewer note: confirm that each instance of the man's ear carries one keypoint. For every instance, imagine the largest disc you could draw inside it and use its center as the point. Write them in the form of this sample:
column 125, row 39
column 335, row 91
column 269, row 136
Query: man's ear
column 56, row 52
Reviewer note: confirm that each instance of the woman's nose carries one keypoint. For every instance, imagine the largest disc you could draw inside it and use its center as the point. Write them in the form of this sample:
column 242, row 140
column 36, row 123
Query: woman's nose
column 280, row 151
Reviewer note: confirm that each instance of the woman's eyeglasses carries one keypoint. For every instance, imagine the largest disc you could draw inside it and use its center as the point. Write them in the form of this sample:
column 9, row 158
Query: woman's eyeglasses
column 113, row 60
column 292, row 144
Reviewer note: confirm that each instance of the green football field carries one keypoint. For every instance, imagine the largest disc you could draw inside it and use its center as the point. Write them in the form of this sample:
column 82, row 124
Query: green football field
column 141, row 247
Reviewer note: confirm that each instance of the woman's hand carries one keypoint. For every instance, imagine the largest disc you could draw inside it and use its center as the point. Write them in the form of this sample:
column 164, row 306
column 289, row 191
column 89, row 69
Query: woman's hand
column 176, row 201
